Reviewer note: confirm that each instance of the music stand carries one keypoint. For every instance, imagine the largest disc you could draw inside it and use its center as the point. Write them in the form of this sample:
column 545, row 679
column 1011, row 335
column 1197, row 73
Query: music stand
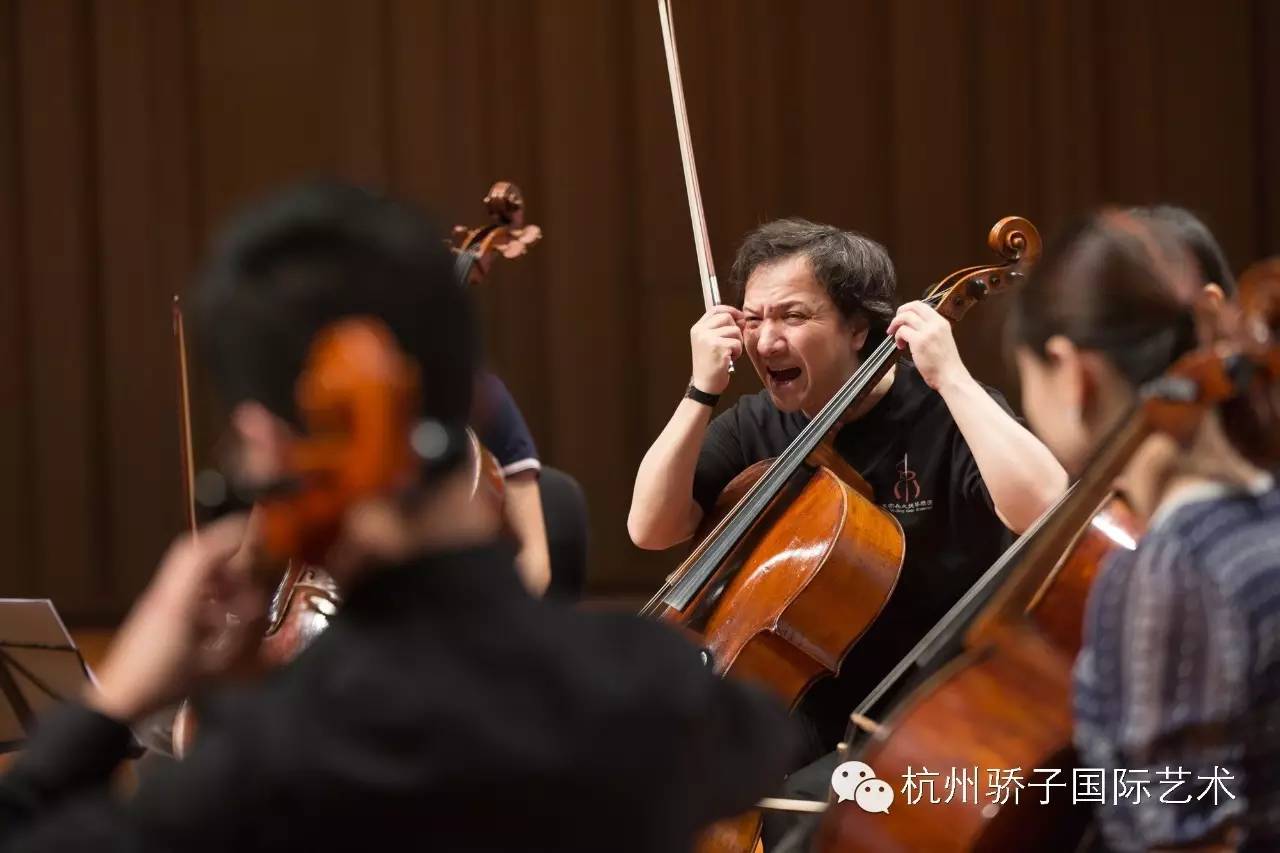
column 40, row 666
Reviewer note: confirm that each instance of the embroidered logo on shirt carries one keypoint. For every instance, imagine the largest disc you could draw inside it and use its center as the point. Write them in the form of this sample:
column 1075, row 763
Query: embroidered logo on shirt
column 907, row 488
column 907, row 491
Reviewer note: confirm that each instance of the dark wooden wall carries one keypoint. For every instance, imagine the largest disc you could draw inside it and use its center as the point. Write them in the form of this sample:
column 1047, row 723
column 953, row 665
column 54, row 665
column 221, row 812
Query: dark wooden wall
column 129, row 128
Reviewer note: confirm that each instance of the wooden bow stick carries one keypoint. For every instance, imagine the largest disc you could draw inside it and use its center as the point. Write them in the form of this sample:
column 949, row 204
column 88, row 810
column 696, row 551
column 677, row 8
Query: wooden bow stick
column 701, row 243
column 184, row 418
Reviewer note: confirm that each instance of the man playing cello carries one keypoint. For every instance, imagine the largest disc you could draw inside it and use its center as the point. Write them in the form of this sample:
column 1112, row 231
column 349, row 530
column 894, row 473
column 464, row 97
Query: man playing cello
column 941, row 452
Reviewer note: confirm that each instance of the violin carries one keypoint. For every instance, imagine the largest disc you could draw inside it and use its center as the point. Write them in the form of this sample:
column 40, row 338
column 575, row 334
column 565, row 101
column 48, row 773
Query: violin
column 1003, row 701
column 305, row 597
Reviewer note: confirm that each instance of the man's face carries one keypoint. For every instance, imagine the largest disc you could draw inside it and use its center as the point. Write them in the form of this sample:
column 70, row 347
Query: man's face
column 801, row 346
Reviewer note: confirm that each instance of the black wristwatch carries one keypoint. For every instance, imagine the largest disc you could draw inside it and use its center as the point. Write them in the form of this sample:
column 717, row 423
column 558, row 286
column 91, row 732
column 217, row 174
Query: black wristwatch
column 701, row 396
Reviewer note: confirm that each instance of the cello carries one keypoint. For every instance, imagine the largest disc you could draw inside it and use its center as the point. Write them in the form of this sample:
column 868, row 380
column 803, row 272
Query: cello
column 1004, row 701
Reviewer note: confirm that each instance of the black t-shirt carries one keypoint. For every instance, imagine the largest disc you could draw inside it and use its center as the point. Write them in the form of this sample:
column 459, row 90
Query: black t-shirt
column 919, row 467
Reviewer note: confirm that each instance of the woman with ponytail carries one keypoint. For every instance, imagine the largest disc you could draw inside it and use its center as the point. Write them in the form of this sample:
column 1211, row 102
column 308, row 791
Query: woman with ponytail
column 1177, row 688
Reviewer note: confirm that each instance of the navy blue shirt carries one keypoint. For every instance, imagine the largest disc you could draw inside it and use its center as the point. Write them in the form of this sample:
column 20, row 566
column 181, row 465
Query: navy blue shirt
column 501, row 427
column 1178, row 681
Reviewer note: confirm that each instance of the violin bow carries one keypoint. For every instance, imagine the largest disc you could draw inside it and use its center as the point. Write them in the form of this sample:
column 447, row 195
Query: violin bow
column 184, row 417
column 701, row 242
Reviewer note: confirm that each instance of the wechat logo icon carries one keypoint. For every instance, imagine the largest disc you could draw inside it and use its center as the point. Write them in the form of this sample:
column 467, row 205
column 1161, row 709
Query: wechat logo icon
column 856, row 781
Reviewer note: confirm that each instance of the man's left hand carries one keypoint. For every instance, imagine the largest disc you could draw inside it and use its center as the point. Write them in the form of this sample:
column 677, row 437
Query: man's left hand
column 933, row 349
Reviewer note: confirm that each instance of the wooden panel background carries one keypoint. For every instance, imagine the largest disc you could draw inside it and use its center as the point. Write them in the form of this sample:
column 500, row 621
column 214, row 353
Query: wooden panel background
column 129, row 128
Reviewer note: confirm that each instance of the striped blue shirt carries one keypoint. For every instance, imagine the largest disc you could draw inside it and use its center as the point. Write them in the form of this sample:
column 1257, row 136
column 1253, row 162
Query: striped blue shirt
column 1178, row 682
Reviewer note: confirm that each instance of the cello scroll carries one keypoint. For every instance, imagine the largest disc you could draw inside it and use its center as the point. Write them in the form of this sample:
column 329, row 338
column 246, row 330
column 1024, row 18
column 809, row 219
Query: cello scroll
column 506, row 235
column 1015, row 240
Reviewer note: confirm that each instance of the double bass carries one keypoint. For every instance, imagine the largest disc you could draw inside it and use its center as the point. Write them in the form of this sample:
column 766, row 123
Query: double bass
column 1004, row 700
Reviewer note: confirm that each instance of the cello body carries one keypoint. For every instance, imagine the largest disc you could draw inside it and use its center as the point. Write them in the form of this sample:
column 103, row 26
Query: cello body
column 999, row 705
column 811, row 583
column 825, row 562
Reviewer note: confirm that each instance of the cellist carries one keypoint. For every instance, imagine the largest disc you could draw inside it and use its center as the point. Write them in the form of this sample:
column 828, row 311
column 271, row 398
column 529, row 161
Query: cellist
column 1176, row 683
column 444, row 707
column 942, row 453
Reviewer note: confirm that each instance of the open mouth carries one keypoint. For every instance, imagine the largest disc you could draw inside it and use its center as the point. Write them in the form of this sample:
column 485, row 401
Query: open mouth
column 783, row 378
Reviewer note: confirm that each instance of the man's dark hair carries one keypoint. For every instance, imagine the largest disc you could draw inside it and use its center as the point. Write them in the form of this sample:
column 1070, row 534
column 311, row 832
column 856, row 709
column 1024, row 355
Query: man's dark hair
column 1196, row 237
column 854, row 269
column 311, row 255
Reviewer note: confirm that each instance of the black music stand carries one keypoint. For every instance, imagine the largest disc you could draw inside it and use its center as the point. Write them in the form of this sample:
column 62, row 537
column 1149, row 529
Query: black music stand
column 40, row 666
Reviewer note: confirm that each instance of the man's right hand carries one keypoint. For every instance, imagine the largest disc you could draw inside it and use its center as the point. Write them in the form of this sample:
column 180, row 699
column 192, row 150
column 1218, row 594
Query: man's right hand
column 178, row 633
column 716, row 341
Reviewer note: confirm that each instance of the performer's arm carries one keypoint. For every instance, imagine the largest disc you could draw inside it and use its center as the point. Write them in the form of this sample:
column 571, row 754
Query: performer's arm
column 663, row 511
column 1021, row 474
column 523, row 508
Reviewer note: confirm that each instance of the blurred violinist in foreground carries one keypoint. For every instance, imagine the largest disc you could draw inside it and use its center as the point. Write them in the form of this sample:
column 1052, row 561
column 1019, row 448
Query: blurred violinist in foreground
column 1177, row 687
column 444, row 705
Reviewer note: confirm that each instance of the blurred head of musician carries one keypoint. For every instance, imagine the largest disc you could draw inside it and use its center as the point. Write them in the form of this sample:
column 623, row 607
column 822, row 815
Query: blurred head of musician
column 1189, row 230
column 813, row 299
column 291, row 267
column 1109, row 307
